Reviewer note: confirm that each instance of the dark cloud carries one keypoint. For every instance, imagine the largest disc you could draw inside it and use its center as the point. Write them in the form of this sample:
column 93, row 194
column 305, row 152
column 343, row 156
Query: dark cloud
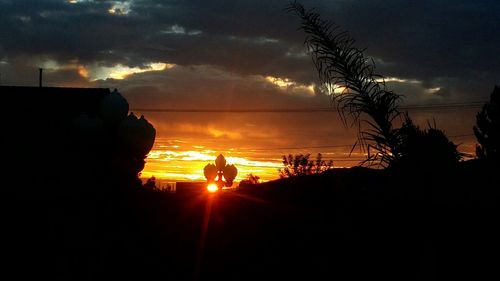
column 216, row 35
column 209, row 87
column 445, row 50
column 425, row 40
column 431, row 41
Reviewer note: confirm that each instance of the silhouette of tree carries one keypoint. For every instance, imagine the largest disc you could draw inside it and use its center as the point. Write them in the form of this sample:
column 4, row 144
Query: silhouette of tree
column 487, row 129
column 428, row 148
column 151, row 183
column 360, row 94
column 300, row 165
column 251, row 179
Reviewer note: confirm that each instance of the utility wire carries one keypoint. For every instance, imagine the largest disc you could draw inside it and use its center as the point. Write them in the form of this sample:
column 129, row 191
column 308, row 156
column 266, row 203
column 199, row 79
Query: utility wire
column 303, row 147
column 320, row 146
column 304, row 110
column 461, row 136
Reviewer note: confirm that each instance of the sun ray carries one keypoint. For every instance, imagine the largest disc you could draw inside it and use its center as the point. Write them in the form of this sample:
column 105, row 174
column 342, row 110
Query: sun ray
column 203, row 235
column 250, row 198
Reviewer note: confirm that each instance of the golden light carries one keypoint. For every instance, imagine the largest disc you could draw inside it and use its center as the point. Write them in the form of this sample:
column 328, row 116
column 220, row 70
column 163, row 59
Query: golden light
column 83, row 71
column 119, row 71
column 120, row 8
column 290, row 85
column 280, row 82
column 212, row 188
column 177, row 164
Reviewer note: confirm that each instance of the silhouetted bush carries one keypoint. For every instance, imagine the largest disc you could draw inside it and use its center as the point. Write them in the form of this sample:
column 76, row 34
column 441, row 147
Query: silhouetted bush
column 250, row 180
column 150, row 183
column 424, row 148
column 487, row 129
column 300, row 165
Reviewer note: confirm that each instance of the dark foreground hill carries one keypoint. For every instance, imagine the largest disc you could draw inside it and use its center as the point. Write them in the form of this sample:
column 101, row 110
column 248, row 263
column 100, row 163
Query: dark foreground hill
column 345, row 224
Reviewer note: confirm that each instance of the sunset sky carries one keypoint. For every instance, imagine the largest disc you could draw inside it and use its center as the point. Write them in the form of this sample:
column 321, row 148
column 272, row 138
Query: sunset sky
column 246, row 55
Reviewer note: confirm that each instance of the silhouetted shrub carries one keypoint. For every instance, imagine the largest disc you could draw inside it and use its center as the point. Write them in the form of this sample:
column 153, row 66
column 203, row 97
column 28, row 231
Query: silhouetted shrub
column 487, row 129
column 300, row 165
column 251, row 179
column 424, row 148
column 150, row 183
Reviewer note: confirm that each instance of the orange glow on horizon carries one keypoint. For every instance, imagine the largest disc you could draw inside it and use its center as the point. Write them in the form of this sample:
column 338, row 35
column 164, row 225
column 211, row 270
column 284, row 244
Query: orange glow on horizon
column 181, row 161
column 174, row 160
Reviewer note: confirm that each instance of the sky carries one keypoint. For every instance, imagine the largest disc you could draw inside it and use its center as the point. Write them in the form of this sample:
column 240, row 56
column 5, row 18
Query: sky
column 249, row 54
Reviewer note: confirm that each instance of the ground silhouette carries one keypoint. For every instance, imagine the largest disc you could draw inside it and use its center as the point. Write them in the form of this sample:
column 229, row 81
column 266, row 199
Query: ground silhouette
column 348, row 224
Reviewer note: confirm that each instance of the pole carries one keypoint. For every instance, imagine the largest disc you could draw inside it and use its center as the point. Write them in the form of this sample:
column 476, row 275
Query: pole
column 40, row 77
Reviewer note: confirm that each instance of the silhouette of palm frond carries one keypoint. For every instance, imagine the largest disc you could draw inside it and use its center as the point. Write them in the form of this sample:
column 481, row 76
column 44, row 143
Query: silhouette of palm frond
column 349, row 77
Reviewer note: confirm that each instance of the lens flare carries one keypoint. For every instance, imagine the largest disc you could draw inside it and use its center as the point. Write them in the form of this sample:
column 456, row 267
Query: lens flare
column 212, row 188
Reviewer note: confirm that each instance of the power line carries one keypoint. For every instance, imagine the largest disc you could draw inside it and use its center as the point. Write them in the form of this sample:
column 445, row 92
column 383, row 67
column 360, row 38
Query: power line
column 443, row 105
column 461, row 136
column 303, row 110
column 303, row 147
column 279, row 162
column 321, row 146
column 332, row 146
column 262, row 110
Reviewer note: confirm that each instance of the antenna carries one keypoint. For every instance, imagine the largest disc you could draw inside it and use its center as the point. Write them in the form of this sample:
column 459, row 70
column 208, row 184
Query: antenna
column 40, row 77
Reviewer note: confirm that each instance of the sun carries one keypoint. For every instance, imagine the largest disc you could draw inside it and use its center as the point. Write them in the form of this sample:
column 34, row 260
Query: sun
column 212, row 188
